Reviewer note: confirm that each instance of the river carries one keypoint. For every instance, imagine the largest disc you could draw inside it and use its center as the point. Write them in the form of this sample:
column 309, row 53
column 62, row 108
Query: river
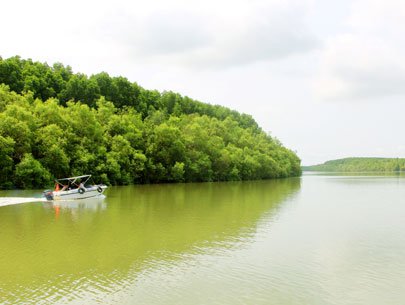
column 319, row 239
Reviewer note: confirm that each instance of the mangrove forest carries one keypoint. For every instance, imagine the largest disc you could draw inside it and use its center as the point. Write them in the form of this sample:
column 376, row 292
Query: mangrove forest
column 56, row 123
column 360, row 165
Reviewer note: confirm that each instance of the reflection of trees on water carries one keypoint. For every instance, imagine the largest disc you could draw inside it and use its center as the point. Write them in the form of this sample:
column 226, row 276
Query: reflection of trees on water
column 110, row 242
column 200, row 212
column 76, row 207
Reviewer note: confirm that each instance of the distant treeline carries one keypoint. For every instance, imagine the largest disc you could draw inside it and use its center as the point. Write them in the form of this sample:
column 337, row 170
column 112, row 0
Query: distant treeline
column 360, row 165
column 55, row 123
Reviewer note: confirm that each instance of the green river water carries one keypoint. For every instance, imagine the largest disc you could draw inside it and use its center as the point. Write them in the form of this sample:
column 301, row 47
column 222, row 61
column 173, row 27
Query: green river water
column 318, row 239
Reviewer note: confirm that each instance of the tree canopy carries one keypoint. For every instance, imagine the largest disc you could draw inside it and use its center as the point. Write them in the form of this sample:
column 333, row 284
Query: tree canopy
column 56, row 123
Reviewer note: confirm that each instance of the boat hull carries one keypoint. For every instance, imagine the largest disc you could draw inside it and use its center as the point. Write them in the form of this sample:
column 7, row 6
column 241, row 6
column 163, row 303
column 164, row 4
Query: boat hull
column 80, row 193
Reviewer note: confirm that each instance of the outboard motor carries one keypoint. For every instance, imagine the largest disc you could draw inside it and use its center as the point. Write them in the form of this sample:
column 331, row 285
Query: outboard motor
column 48, row 194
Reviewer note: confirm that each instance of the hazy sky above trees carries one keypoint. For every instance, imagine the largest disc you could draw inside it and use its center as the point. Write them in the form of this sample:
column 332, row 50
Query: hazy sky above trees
column 325, row 77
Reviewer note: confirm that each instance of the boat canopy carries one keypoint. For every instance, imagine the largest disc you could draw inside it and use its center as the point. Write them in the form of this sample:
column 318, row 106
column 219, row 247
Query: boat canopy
column 72, row 180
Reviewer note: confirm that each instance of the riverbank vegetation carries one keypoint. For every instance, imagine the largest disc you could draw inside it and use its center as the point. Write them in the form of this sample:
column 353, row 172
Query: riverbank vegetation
column 56, row 123
column 360, row 165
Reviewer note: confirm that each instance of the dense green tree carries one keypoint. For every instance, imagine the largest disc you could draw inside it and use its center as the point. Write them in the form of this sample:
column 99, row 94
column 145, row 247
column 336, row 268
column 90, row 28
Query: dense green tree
column 30, row 173
column 127, row 92
column 41, row 80
column 51, row 149
column 19, row 131
column 164, row 147
column 80, row 88
column 147, row 102
column 6, row 161
column 58, row 123
column 11, row 73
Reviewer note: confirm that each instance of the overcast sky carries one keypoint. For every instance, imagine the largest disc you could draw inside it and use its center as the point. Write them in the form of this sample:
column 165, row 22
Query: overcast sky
column 325, row 77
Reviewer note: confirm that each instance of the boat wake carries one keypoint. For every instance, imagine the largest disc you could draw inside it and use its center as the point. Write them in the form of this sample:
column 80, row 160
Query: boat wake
column 4, row 201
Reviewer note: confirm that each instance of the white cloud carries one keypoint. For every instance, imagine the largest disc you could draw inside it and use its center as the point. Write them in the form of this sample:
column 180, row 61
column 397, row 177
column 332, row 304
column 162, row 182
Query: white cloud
column 378, row 15
column 359, row 67
column 214, row 34
column 368, row 61
column 203, row 34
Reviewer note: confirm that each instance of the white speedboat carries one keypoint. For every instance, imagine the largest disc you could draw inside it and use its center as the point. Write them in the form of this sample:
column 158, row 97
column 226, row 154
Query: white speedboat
column 74, row 188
